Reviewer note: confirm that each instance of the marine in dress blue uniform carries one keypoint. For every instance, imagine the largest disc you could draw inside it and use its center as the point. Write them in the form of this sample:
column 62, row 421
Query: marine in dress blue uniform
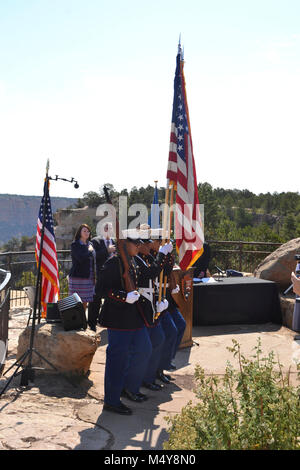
column 173, row 325
column 149, row 268
column 127, row 333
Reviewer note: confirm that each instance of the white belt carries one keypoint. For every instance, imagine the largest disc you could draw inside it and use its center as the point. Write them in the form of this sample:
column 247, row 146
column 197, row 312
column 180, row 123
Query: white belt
column 147, row 292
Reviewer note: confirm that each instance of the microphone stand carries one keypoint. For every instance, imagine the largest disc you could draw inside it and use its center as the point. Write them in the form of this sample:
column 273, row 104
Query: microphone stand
column 288, row 289
column 219, row 272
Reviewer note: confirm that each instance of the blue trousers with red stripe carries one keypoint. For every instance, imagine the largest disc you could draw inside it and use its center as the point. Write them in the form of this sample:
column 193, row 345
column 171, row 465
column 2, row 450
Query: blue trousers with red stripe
column 127, row 357
column 174, row 326
column 157, row 337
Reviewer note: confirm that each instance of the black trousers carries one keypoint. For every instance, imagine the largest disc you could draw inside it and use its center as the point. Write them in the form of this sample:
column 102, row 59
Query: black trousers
column 93, row 310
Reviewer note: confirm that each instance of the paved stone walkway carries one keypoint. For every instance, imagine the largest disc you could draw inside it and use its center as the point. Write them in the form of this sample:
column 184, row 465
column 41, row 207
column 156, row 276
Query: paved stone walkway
column 53, row 414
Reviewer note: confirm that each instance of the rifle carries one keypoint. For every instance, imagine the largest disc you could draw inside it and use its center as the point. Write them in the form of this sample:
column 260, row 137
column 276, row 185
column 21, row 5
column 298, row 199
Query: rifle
column 121, row 247
column 128, row 281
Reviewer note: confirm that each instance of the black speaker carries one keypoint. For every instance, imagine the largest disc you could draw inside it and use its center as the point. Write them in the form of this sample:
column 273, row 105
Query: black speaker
column 72, row 313
column 53, row 313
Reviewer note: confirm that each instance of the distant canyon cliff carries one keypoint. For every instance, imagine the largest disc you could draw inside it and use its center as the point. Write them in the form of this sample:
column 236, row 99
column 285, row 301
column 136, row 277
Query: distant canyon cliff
column 18, row 214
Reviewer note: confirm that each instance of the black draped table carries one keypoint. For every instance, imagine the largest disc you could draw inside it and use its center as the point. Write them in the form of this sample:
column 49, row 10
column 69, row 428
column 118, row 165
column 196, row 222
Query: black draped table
column 236, row 300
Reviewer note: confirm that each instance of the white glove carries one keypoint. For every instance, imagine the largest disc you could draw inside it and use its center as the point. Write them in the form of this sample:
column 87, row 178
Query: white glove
column 165, row 249
column 132, row 297
column 162, row 305
column 170, row 247
column 176, row 290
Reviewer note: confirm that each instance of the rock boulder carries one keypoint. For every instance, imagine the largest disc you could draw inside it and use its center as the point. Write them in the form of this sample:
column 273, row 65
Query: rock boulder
column 287, row 309
column 278, row 265
column 70, row 352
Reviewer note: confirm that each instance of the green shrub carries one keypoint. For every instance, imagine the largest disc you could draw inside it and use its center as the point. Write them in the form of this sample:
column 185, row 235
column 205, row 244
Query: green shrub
column 252, row 408
column 27, row 279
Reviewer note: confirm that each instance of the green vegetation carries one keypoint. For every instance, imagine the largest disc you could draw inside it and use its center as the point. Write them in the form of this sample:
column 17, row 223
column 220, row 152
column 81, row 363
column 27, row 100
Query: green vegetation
column 252, row 408
column 229, row 214
column 17, row 244
column 28, row 278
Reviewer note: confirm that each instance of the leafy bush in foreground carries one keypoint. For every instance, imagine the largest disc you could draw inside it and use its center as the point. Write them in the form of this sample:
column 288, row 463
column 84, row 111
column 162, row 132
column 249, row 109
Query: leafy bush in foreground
column 252, row 408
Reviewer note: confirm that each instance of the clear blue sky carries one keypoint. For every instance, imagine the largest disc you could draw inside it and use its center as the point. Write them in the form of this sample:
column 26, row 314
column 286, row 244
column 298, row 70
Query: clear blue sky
column 90, row 86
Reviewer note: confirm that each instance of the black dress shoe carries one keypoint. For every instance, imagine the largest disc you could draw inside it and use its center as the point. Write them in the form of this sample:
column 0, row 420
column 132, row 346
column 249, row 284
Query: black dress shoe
column 169, row 377
column 160, row 375
column 172, row 366
column 142, row 395
column 93, row 327
column 120, row 409
column 132, row 396
column 152, row 386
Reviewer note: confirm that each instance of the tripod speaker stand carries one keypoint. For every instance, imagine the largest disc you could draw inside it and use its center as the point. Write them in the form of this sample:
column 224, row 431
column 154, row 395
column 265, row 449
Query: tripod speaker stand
column 25, row 361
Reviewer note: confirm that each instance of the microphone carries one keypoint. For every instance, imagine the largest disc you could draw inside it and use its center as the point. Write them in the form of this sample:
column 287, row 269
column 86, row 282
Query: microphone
column 76, row 185
column 72, row 180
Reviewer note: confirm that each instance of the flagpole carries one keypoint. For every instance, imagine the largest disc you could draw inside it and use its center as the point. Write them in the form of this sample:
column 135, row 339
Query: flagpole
column 169, row 232
column 39, row 288
column 165, row 222
column 37, row 298
column 155, row 200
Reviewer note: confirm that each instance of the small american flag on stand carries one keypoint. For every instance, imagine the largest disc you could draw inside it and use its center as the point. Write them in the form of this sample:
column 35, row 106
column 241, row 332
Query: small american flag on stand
column 49, row 265
column 182, row 174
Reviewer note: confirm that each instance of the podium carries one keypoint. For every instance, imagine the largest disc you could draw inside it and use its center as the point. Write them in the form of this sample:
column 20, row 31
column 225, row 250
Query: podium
column 184, row 300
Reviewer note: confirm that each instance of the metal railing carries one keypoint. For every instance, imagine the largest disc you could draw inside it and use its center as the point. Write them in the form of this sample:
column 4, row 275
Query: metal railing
column 23, row 268
column 5, row 277
column 240, row 255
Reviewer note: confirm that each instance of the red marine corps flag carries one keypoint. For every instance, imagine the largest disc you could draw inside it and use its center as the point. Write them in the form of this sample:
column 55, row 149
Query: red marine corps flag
column 49, row 265
column 181, row 175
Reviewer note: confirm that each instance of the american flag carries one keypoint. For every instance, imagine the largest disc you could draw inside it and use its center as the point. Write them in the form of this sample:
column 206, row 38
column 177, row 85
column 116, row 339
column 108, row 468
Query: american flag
column 182, row 174
column 49, row 265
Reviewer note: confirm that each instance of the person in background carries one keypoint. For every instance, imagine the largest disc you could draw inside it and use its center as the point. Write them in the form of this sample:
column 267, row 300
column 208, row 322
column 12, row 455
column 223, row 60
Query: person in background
column 296, row 288
column 104, row 248
column 201, row 265
column 82, row 274
column 296, row 284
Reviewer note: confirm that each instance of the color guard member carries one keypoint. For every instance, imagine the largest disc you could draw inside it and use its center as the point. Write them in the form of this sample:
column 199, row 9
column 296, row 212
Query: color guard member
column 127, row 333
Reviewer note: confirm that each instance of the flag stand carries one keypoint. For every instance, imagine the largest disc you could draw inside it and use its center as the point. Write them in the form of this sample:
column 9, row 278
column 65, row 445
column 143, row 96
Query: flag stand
column 28, row 370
